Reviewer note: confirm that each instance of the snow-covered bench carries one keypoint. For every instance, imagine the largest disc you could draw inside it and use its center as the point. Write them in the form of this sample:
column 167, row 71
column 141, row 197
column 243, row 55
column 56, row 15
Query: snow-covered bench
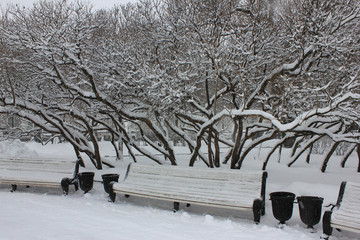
column 39, row 172
column 232, row 189
column 346, row 213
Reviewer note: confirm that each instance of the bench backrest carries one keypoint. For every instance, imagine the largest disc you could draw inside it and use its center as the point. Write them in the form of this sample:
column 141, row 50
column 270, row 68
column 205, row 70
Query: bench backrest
column 347, row 213
column 37, row 165
column 250, row 185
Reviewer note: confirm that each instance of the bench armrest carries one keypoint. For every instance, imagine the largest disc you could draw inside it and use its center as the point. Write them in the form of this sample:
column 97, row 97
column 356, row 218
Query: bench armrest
column 341, row 194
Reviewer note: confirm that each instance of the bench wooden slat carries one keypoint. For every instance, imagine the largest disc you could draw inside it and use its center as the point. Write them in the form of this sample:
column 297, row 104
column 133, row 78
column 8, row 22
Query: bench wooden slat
column 20, row 176
column 161, row 179
column 31, row 183
column 36, row 165
column 350, row 211
column 347, row 215
column 188, row 198
column 35, row 161
column 49, row 170
column 217, row 192
column 341, row 220
column 346, row 227
column 206, row 192
column 216, row 174
column 183, row 199
column 202, row 185
column 194, row 191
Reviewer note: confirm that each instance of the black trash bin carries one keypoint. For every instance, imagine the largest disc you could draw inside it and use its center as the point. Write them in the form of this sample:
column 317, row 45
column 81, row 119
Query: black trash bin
column 282, row 205
column 86, row 181
column 310, row 209
column 107, row 179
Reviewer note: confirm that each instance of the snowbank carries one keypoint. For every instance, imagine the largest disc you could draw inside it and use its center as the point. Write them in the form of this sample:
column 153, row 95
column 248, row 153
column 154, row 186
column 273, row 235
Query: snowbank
column 44, row 214
column 16, row 148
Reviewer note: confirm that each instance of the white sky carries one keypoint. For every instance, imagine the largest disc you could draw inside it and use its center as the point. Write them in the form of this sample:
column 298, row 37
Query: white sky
column 96, row 3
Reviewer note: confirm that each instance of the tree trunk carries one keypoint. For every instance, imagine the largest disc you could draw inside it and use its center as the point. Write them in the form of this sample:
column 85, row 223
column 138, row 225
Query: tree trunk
column 309, row 144
column 210, row 152
column 121, row 147
column 271, row 152
column 358, row 153
column 237, row 150
column 97, row 156
column 113, row 143
column 217, row 150
column 195, row 153
column 131, row 153
column 327, row 158
column 228, row 156
column 309, row 154
column 280, row 151
column 347, row 155
column 77, row 153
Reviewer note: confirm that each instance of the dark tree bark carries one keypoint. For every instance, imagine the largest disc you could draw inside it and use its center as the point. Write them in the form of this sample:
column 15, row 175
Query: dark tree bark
column 236, row 152
column 328, row 156
column 358, row 153
column 346, row 157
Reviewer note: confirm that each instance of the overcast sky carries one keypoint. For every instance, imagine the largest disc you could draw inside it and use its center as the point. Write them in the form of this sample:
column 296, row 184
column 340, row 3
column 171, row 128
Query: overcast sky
column 97, row 3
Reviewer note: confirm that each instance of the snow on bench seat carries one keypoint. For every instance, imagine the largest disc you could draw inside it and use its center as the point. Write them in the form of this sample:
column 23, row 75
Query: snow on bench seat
column 221, row 188
column 36, row 172
column 346, row 213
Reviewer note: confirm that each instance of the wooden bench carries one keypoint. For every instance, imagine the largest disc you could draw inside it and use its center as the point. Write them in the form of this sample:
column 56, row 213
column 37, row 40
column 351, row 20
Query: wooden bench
column 39, row 172
column 232, row 189
column 345, row 214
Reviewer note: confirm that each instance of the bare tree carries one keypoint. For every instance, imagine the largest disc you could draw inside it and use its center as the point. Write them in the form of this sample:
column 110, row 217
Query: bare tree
column 279, row 73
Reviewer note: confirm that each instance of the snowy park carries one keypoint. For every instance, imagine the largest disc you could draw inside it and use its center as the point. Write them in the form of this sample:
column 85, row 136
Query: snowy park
column 46, row 214
column 194, row 104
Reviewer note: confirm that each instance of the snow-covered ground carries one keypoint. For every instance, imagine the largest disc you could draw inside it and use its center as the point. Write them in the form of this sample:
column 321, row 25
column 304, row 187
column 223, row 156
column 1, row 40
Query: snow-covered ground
column 38, row 213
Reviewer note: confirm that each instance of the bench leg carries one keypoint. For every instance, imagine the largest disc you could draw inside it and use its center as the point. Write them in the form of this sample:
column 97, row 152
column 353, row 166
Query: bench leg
column 112, row 195
column 65, row 182
column 176, row 206
column 257, row 210
column 76, row 185
column 327, row 229
column 13, row 187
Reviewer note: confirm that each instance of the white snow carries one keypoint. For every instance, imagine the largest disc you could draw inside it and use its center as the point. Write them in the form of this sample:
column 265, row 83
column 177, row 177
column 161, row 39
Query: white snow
column 16, row 149
column 39, row 213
